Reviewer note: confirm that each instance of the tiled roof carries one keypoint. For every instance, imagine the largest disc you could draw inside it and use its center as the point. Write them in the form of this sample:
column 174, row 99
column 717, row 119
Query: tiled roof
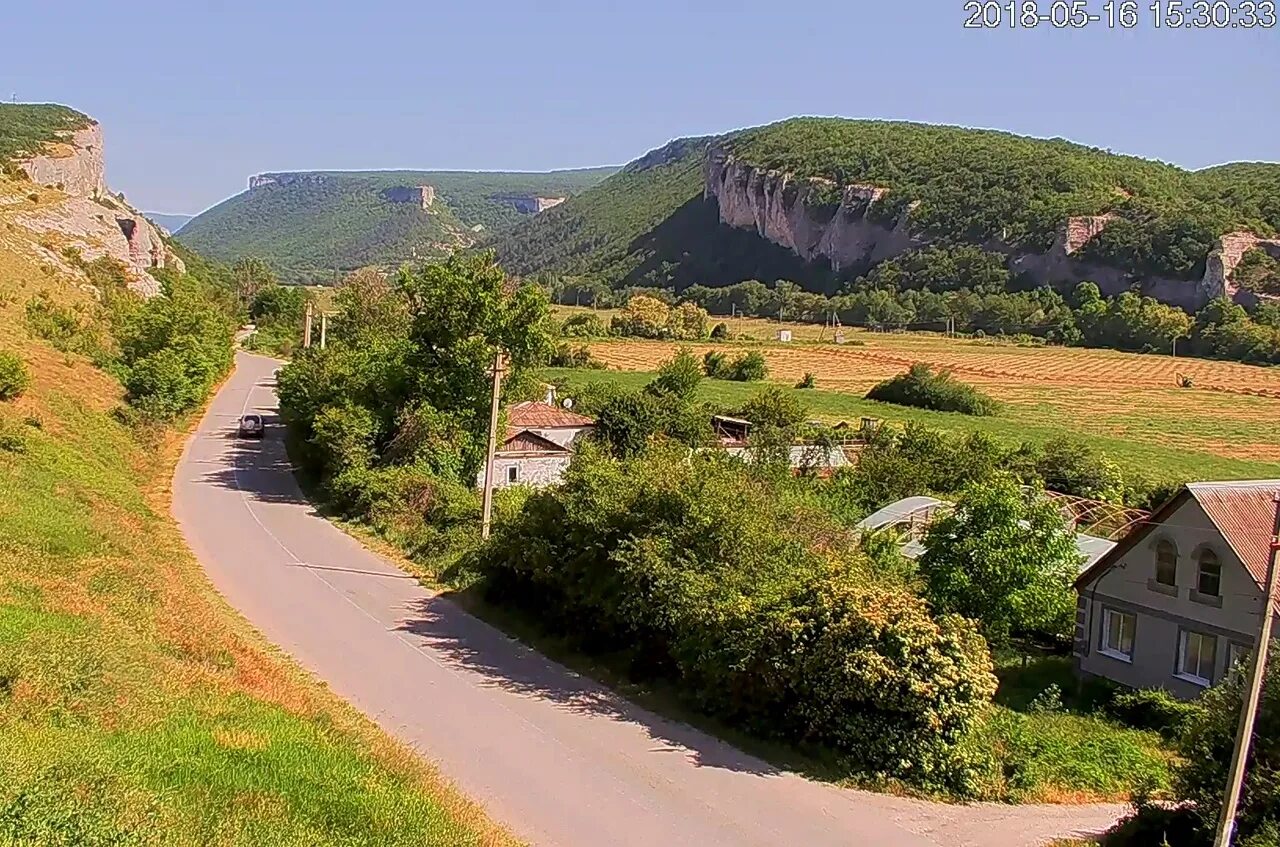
column 533, row 414
column 1244, row 512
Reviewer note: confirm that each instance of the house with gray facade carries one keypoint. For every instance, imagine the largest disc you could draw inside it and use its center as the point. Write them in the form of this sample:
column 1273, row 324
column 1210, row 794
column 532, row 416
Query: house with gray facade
column 1176, row 603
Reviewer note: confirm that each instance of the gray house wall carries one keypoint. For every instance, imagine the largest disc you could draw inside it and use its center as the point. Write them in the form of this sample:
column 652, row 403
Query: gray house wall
column 532, row 469
column 1162, row 613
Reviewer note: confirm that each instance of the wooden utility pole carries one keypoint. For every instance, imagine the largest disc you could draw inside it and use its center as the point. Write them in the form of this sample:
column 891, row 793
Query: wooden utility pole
column 494, row 409
column 1257, row 672
column 306, row 327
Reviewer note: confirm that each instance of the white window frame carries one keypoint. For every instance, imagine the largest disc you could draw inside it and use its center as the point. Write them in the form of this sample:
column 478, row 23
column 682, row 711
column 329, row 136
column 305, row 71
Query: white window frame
column 1109, row 619
column 1184, row 640
column 513, row 474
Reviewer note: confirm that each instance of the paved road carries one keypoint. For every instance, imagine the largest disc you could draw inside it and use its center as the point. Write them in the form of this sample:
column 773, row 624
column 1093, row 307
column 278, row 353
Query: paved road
column 555, row 757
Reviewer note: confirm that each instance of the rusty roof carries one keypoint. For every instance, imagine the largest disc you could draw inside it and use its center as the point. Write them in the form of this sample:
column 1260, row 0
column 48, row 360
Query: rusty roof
column 1245, row 513
column 534, row 414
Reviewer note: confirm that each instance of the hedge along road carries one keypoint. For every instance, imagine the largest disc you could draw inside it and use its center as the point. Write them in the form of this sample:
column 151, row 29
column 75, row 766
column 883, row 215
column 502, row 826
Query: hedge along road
column 557, row 758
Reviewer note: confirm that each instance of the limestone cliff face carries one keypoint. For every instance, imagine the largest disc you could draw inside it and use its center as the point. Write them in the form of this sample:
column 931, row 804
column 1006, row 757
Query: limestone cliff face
column 819, row 220
column 79, row 212
column 74, row 164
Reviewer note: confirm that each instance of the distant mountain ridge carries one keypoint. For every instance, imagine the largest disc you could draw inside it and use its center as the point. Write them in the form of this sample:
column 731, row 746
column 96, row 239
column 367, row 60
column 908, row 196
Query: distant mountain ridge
column 172, row 222
column 310, row 225
column 824, row 200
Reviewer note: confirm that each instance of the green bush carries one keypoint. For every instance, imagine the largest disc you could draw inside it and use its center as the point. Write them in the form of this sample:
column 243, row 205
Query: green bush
column 12, row 438
column 921, row 387
column 158, row 384
column 715, row 365
column 699, row 572
column 1206, row 747
column 807, row 381
column 749, row 367
column 583, row 325
column 1155, row 709
column 720, row 331
column 14, row 377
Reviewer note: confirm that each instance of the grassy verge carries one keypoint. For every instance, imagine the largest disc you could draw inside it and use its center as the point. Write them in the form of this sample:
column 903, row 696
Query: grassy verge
column 1147, row 459
column 135, row 706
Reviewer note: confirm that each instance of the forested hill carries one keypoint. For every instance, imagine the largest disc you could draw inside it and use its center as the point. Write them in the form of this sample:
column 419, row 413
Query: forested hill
column 306, row 224
column 649, row 224
column 29, row 128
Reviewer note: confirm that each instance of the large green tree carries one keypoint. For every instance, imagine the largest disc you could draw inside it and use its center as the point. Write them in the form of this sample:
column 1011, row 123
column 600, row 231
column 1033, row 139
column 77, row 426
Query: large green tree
column 1005, row 558
column 464, row 311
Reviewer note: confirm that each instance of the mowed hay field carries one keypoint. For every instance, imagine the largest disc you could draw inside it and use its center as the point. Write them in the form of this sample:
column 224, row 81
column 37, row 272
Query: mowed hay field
column 1129, row 404
column 136, row 707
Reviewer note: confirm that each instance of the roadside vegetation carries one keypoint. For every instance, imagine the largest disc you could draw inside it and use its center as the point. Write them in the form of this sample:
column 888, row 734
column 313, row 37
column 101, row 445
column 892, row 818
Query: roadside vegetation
column 135, row 706
column 730, row 591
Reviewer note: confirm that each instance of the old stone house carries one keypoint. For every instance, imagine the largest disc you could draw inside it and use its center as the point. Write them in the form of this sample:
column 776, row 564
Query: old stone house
column 537, row 446
column 1176, row 603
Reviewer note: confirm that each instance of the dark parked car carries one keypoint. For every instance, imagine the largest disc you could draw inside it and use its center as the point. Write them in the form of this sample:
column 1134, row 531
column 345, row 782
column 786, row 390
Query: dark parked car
column 251, row 426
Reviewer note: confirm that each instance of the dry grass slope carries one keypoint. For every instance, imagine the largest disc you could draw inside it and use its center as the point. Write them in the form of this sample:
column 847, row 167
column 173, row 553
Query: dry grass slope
column 135, row 706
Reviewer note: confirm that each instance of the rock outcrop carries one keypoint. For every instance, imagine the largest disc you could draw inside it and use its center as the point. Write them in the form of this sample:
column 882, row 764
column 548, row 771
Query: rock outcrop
column 285, row 179
column 842, row 225
column 422, row 196
column 83, row 215
column 528, row 204
column 74, row 164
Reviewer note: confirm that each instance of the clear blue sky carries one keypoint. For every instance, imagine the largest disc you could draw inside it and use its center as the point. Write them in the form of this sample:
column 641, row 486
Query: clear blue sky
column 194, row 96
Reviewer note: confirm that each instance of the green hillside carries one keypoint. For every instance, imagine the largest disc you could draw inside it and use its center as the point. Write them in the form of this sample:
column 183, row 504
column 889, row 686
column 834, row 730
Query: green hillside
column 27, row 127
column 320, row 221
column 649, row 225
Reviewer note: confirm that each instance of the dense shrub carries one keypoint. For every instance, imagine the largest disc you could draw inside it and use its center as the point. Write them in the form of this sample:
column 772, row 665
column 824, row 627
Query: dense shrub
column 702, row 575
column 1155, row 709
column 715, row 364
column 14, row 376
column 749, row 367
column 642, row 317
column 566, row 355
column 923, row 388
column 679, row 376
column 1206, row 747
column 583, row 325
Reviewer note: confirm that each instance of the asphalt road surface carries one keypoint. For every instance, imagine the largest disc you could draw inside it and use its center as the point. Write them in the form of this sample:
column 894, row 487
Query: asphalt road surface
column 555, row 757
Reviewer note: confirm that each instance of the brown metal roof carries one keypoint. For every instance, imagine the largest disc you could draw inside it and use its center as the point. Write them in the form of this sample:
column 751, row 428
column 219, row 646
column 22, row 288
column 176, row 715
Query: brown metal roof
column 1244, row 513
column 533, row 414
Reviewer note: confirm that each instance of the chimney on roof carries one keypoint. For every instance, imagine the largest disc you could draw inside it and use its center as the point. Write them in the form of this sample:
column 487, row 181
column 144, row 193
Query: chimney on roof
column 550, row 396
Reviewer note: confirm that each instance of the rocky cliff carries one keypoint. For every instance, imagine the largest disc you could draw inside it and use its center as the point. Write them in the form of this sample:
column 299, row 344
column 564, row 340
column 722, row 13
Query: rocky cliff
column 846, row 226
column 78, row 213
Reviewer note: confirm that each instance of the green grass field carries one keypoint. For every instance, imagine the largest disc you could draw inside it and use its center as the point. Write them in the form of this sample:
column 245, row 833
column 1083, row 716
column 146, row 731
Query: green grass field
column 1013, row 426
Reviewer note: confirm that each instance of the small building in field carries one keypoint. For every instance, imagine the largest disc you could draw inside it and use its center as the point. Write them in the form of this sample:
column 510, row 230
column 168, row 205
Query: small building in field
column 537, row 446
column 1177, row 602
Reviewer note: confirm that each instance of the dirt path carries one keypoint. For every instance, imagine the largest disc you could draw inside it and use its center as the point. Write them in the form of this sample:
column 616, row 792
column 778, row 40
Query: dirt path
column 558, row 758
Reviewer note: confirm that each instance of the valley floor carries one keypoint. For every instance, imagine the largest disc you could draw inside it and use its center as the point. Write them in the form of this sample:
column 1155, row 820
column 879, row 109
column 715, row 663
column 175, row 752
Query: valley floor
column 1129, row 405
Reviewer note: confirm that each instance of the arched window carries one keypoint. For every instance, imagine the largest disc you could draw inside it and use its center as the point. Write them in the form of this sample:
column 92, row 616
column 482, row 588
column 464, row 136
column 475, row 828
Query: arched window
column 1166, row 562
column 1209, row 576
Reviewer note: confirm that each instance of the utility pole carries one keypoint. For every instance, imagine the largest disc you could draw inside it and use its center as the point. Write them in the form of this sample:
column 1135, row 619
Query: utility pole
column 324, row 328
column 494, row 409
column 306, row 327
column 1257, row 671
